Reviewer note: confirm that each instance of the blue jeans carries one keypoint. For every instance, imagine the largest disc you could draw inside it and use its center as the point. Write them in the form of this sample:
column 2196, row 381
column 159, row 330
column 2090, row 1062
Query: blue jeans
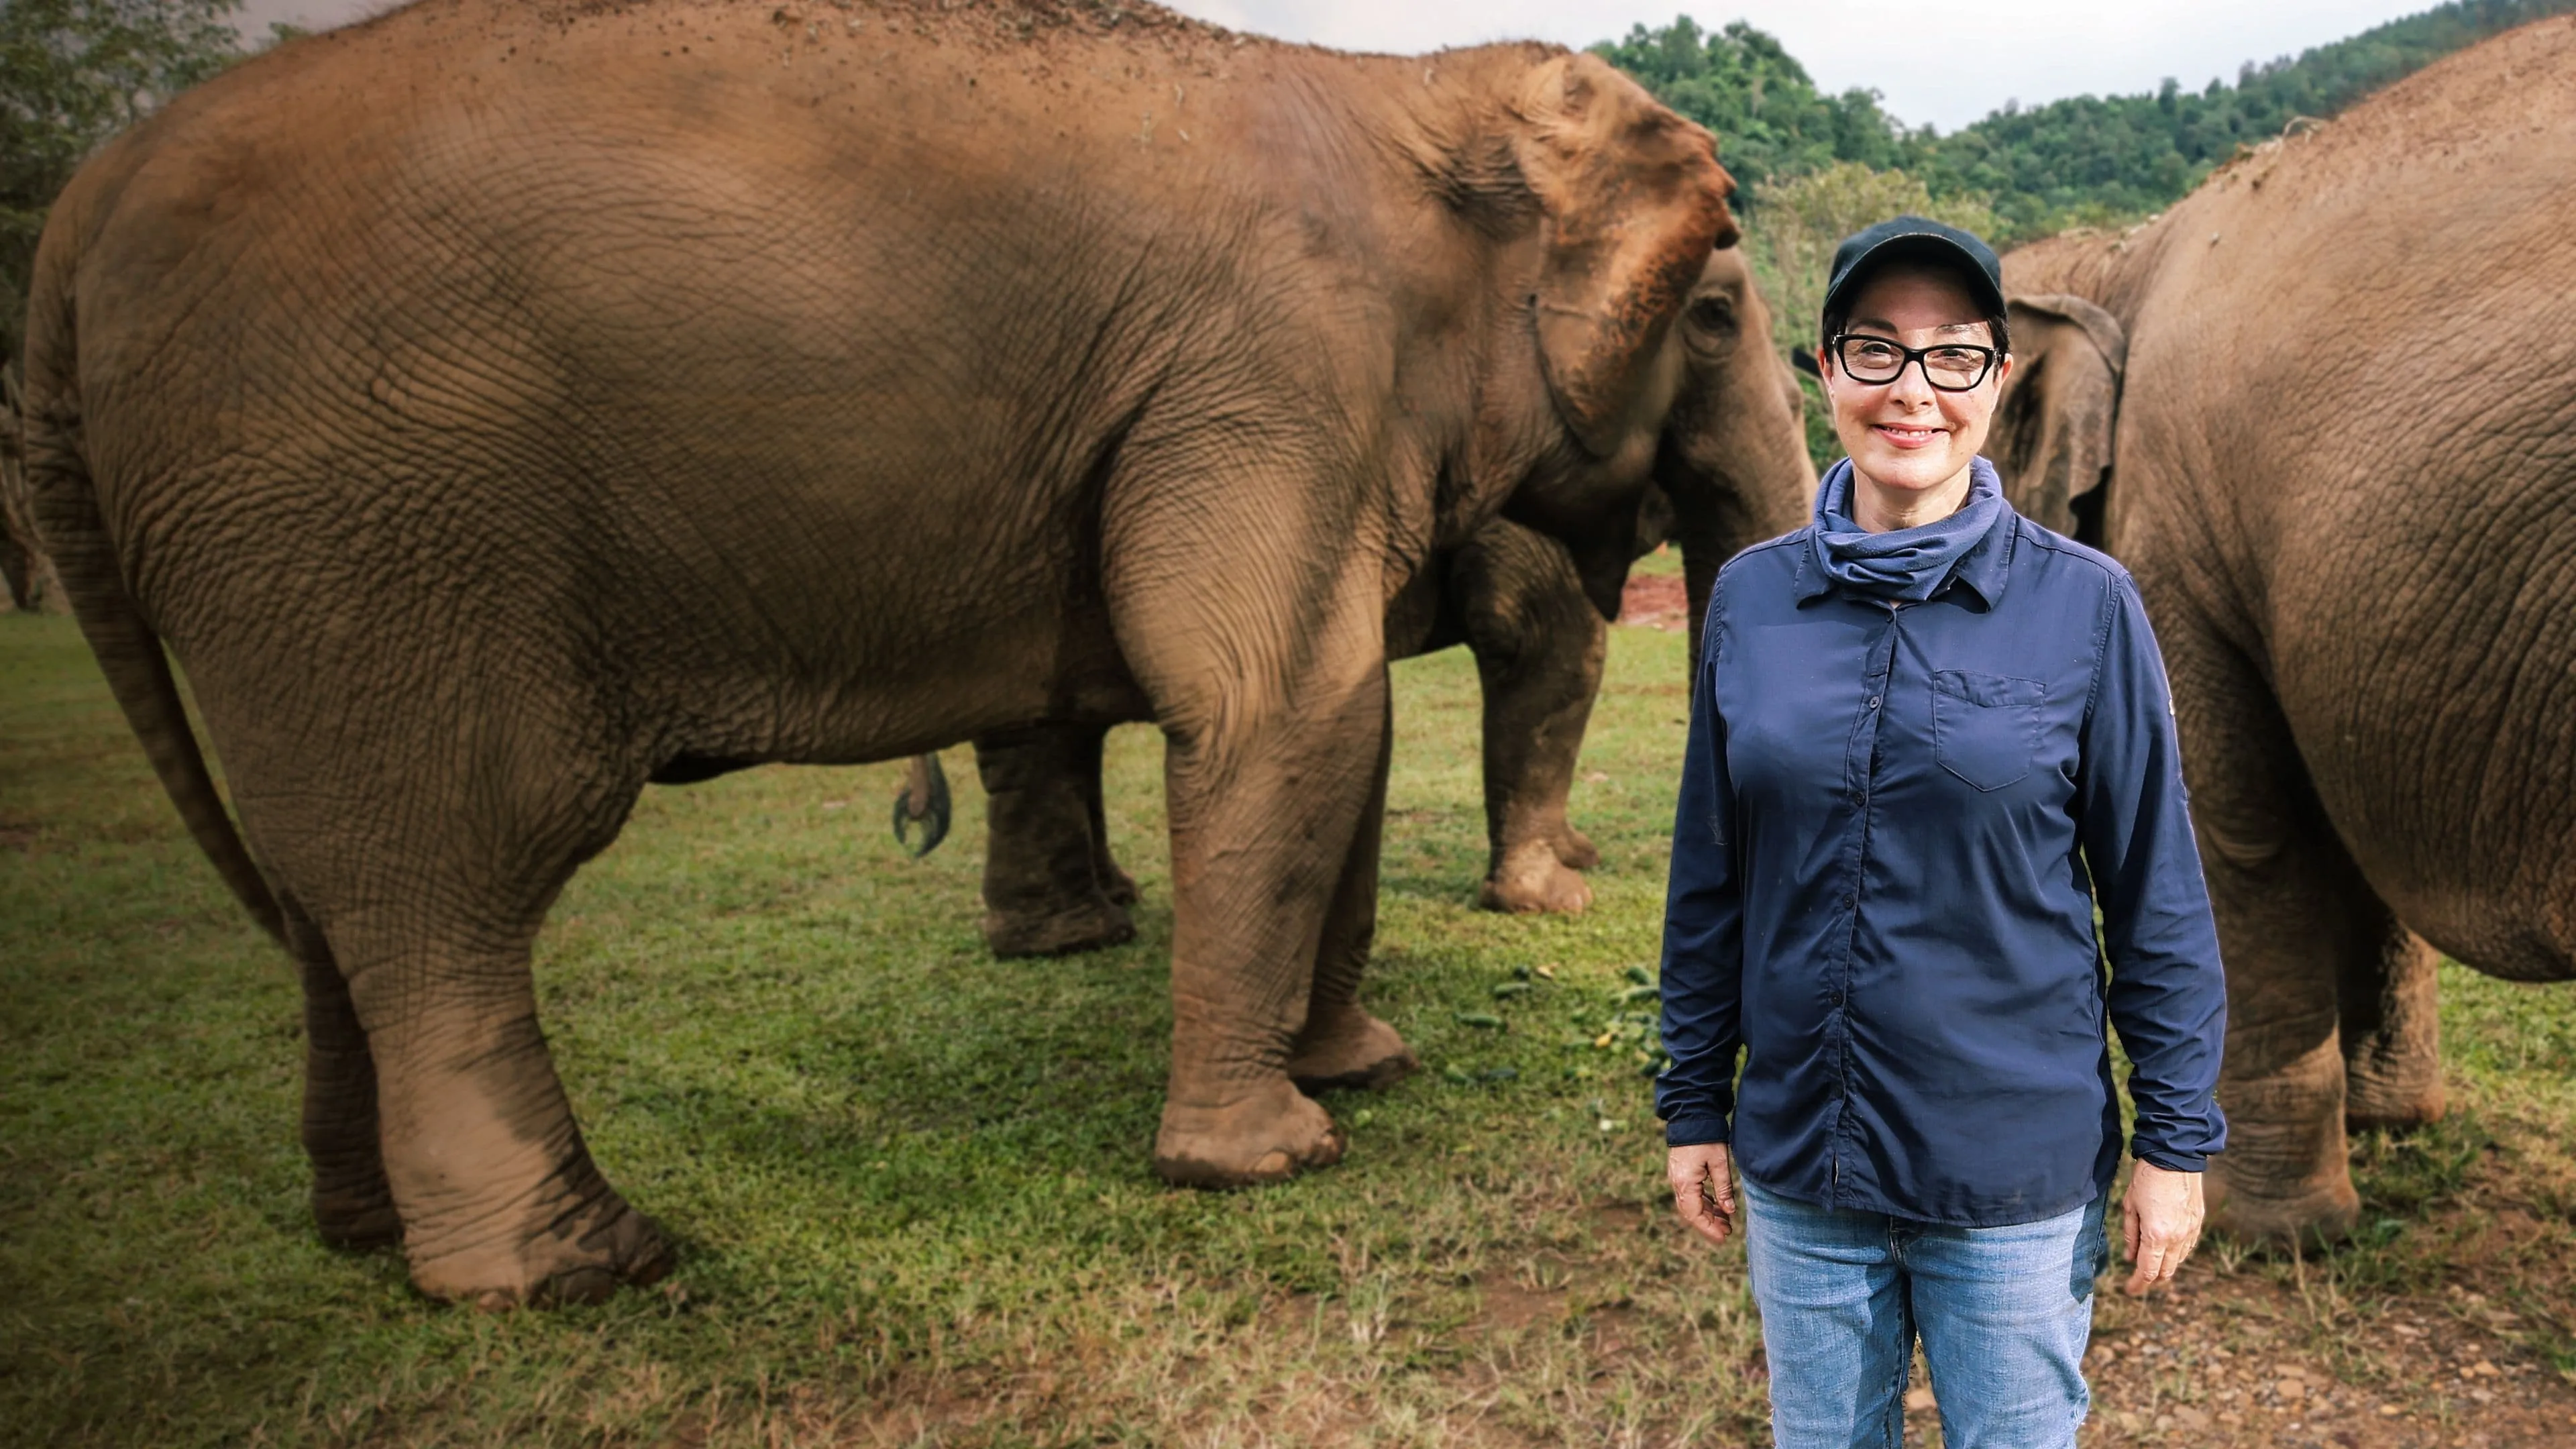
column 2003, row 1312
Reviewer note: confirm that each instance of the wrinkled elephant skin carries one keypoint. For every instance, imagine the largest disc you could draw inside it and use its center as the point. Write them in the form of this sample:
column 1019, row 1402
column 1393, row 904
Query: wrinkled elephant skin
column 495, row 407
column 1528, row 602
column 2319, row 410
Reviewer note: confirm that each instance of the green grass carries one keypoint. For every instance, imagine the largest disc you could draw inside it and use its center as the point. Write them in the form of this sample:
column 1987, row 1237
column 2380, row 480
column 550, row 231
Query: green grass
column 911, row 1182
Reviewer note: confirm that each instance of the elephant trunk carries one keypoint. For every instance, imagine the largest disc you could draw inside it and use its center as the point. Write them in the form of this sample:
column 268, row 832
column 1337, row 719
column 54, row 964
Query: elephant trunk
column 922, row 801
column 1701, row 559
column 1756, row 483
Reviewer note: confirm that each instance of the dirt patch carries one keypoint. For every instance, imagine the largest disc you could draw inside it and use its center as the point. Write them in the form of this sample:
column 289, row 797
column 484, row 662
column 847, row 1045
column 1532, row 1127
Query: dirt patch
column 2233, row 1358
column 2227, row 1362
column 1655, row 601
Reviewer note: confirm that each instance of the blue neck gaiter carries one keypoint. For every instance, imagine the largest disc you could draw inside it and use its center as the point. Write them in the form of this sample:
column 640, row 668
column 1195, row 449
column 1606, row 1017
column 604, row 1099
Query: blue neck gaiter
column 1909, row 563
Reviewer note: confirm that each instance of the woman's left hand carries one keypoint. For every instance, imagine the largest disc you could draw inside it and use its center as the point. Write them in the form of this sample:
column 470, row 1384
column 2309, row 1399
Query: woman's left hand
column 2160, row 1222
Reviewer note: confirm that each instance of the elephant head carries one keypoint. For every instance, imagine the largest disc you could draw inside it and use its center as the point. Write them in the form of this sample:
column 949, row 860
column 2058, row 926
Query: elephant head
column 2060, row 411
column 1729, row 458
column 1654, row 348
column 1632, row 201
column 1733, row 454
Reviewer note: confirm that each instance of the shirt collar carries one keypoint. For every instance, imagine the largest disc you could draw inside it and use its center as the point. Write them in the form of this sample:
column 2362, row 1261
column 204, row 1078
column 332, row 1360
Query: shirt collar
column 1985, row 568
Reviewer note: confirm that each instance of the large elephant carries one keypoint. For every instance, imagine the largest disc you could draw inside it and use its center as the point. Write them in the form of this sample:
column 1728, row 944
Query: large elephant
column 968, row 366
column 1532, row 608
column 2315, row 408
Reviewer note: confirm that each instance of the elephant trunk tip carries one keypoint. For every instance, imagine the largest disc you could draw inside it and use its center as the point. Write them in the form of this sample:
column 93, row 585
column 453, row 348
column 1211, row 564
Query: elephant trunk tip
column 923, row 800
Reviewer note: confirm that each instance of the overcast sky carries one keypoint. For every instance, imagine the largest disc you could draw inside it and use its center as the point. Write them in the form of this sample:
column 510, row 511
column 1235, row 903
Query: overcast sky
column 1947, row 62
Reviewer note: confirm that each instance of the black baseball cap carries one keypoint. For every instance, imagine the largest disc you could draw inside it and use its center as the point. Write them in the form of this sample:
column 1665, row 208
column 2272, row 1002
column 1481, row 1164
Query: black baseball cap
column 1919, row 237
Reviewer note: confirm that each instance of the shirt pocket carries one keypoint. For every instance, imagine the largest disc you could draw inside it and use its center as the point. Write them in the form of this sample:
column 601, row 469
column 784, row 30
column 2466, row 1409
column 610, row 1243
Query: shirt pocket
column 1985, row 727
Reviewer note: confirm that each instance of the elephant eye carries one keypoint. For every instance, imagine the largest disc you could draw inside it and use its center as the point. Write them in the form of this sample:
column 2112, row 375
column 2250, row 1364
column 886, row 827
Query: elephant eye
column 1712, row 314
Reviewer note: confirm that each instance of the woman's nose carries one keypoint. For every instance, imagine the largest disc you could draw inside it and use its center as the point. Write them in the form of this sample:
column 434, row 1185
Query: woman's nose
column 1911, row 387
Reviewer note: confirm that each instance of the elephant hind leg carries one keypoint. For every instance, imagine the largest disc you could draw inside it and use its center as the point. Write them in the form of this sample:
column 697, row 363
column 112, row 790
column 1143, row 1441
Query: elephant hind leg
column 1341, row 1045
column 2330, row 1010
column 353, row 1204
column 2392, row 1031
column 427, row 864
column 1115, row 884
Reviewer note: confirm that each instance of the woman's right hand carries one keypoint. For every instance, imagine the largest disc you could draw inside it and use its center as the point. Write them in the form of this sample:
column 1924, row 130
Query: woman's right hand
column 1703, row 1189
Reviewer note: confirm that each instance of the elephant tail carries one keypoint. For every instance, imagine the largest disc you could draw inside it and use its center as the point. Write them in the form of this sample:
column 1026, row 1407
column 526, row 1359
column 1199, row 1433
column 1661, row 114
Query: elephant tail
column 923, row 800
column 72, row 529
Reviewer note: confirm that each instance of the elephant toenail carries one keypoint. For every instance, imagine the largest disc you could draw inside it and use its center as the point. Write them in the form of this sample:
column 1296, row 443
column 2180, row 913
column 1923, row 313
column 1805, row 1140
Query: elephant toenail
column 581, row 1285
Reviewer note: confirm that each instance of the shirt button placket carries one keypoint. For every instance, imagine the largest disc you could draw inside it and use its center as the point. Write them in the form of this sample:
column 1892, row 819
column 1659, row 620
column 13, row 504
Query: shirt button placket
column 1875, row 670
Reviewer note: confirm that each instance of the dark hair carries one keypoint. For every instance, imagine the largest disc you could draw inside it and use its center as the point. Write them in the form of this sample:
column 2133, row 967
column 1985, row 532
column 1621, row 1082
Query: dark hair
column 1839, row 316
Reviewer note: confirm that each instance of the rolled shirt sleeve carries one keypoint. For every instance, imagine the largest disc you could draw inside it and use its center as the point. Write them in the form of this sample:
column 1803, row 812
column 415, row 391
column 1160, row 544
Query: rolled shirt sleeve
column 1703, row 957
column 2168, row 993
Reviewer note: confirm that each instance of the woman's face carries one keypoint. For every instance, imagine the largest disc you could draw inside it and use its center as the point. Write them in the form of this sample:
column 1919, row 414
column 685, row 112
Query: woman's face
column 1907, row 436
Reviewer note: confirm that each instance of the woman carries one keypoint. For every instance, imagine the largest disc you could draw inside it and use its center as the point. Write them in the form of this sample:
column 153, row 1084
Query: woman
column 1927, row 738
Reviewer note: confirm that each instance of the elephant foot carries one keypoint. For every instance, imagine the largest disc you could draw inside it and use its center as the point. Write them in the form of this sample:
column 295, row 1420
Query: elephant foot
column 581, row 1257
column 2315, row 1214
column 1531, row 880
column 1350, row 1050
column 2392, row 1095
column 1269, row 1136
column 2392, row 1089
column 358, row 1215
column 1090, row 926
column 1118, row 885
column 1575, row 850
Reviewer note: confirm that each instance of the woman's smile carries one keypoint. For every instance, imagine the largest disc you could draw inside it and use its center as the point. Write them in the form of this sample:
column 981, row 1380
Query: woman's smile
column 1909, row 436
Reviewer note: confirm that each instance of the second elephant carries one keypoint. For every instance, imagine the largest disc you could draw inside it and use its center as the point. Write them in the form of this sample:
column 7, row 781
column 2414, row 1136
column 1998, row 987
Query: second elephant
column 1511, row 595
column 1530, row 603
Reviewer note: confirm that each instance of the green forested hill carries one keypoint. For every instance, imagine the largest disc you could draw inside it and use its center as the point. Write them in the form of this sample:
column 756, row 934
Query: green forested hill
column 2075, row 159
column 2086, row 159
column 1769, row 116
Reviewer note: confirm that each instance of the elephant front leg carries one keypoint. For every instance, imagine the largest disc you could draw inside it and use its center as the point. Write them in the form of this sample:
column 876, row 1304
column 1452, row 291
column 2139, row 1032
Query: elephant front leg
column 1265, row 823
column 1539, row 647
column 1342, row 1045
column 1045, row 893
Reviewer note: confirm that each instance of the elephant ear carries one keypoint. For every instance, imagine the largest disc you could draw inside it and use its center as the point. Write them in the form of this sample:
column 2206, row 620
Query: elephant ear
column 1632, row 202
column 2060, row 409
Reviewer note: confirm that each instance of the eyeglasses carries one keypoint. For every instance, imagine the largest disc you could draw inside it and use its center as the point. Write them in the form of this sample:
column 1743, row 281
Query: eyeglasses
column 1951, row 367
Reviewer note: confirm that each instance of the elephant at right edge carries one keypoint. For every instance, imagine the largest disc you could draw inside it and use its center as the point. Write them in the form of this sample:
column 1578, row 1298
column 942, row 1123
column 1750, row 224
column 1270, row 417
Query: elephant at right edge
column 2320, row 410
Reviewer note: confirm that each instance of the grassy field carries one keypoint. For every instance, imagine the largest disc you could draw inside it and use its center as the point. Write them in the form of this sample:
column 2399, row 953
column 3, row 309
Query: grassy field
column 911, row 1182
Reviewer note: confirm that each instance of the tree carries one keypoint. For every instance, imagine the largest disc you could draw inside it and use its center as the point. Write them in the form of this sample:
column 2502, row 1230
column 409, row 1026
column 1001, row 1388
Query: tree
column 2086, row 160
column 1795, row 222
column 1766, row 112
column 73, row 73
column 2094, row 160
column 1791, row 229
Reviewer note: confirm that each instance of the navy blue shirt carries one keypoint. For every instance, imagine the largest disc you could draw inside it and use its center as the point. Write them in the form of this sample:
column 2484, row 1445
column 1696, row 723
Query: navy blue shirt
column 1895, row 821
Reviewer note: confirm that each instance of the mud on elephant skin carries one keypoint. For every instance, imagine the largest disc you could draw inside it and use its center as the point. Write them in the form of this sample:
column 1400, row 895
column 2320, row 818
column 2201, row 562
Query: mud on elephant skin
column 1530, row 600
column 399, row 409
column 2344, row 510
